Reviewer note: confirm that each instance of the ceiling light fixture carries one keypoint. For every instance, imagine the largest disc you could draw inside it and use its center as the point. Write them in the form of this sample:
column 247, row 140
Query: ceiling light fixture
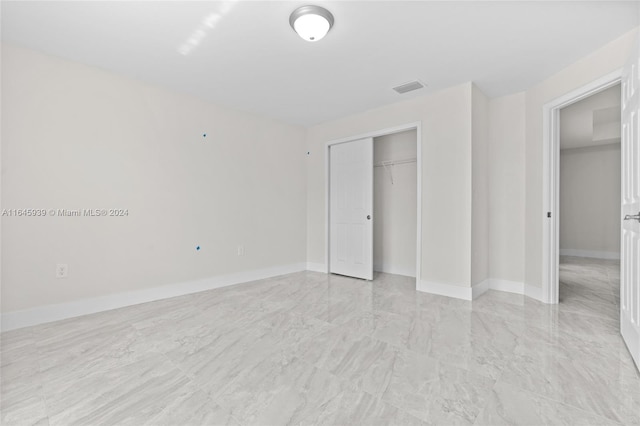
column 311, row 23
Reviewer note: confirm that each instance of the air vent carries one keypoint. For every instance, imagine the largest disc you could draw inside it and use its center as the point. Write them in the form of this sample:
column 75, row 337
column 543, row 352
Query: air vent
column 408, row 87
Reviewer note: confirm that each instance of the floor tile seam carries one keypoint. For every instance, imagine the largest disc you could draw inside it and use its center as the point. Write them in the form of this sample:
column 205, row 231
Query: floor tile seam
column 468, row 370
column 27, row 330
column 591, row 315
column 23, row 358
column 582, row 287
column 42, row 355
column 220, row 401
column 587, row 305
column 189, row 384
column 348, row 382
column 601, row 317
column 38, row 387
column 396, row 348
column 560, row 402
column 581, row 364
column 106, row 370
column 380, row 399
column 564, row 288
column 226, row 386
column 555, row 327
column 558, row 350
column 47, row 404
column 197, row 388
column 113, row 368
column 41, row 346
column 292, row 344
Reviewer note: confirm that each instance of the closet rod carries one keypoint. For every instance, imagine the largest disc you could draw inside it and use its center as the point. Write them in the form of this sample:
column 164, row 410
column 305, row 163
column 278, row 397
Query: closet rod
column 394, row 162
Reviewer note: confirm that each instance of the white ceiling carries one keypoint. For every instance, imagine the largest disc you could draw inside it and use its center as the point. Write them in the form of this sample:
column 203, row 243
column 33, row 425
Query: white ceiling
column 592, row 121
column 245, row 55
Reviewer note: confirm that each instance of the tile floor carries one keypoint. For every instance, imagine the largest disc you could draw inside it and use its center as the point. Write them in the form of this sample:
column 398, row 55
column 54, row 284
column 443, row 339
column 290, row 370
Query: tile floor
column 310, row 349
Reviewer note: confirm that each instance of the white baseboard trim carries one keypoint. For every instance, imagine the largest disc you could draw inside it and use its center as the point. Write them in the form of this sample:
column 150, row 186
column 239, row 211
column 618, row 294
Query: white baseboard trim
column 590, row 253
column 49, row 313
column 391, row 269
column 449, row 290
column 317, row 267
column 472, row 293
column 533, row 292
column 455, row 291
column 507, row 286
column 480, row 288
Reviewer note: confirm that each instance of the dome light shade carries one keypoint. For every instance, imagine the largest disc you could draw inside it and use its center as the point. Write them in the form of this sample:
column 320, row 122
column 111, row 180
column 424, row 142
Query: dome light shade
column 311, row 23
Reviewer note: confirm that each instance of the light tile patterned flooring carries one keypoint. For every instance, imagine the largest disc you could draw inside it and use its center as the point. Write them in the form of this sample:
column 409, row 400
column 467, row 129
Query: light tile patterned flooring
column 309, row 349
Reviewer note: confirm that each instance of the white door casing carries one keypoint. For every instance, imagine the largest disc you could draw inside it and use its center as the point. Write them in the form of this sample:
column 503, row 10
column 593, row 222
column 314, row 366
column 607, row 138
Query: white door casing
column 351, row 208
column 630, row 237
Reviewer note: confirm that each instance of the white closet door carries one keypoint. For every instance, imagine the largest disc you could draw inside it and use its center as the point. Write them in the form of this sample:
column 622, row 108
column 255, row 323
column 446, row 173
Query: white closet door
column 630, row 244
column 350, row 209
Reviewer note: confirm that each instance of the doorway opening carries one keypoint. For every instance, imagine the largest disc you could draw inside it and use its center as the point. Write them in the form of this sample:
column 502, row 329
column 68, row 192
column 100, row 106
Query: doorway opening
column 552, row 157
column 589, row 205
column 395, row 160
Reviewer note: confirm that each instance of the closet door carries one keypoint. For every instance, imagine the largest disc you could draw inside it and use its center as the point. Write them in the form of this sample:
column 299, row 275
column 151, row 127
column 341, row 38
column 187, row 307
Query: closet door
column 351, row 209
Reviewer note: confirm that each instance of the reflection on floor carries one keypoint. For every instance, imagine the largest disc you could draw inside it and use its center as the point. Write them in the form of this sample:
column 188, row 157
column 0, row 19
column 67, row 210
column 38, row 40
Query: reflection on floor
column 590, row 286
column 308, row 348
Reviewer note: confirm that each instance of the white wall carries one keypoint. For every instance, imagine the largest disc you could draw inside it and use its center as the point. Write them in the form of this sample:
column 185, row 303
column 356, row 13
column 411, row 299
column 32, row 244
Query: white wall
column 480, row 187
column 446, row 178
column 507, row 187
column 590, row 201
column 77, row 137
column 394, row 204
column 603, row 61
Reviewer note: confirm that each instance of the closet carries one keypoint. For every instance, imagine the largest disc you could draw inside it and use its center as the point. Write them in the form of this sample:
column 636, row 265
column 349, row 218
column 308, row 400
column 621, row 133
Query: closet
column 395, row 203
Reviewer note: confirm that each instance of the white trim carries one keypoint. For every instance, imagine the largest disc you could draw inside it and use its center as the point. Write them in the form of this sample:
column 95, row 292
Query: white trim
column 533, row 292
column 49, row 313
column 452, row 290
column 549, row 292
column 391, row 269
column 472, row 293
column 591, row 254
column 417, row 125
column 449, row 290
column 317, row 267
column 480, row 288
column 507, row 286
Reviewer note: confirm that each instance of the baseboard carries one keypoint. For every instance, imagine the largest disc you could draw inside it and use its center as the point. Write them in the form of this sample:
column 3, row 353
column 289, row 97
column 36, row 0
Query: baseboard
column 49, row 313
column 391, row 269
column 317, row 267
column 472, row 293
column 449, row 290
column 480, row 288
column 591, row 254
column 455, row 291
column 533, row 292
column 507, row 286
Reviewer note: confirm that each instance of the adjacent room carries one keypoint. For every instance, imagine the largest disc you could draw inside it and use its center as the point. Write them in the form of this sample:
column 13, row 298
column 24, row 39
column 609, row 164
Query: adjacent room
column 590, row 173
column 333, row 213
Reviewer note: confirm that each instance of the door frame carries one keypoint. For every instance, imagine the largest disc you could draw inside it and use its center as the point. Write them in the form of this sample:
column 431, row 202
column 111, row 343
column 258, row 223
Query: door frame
column 551, row 179
column 417, row 126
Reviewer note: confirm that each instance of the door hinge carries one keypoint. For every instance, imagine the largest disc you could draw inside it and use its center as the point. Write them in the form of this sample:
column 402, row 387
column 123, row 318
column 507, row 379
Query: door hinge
column 548, row 214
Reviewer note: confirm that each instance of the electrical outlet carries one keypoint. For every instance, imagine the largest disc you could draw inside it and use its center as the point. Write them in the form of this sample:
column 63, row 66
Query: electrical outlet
column 62, row 270
column 240, row 250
